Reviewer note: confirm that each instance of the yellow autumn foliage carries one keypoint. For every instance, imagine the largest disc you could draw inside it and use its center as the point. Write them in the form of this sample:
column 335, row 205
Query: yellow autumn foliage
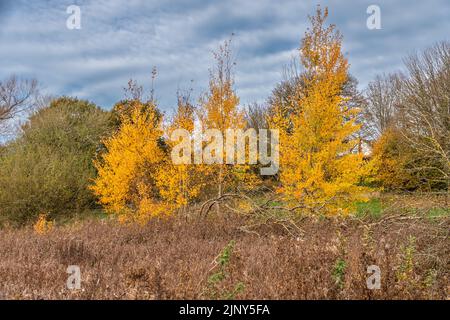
column 180, row 184
column 219, row 110
column 43, row 225
column 317, row 166
column 137, row 178
column 126, row 172
column 391, row 159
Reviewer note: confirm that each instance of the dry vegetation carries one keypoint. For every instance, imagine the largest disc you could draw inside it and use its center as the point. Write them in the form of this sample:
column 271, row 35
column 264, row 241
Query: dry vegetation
column 309, row 230
column 184, row 258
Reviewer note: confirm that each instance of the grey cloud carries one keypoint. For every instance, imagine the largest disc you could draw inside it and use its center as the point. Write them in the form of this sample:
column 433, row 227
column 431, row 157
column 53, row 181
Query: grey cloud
column 122, row 39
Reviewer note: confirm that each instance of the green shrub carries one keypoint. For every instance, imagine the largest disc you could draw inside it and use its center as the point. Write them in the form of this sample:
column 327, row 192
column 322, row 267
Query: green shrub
column 48, row 167
column 372, row 208
column 215, row 281
column 339, row 272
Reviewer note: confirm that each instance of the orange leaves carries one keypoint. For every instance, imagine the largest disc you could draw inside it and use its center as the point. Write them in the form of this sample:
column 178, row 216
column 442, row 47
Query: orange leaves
column 43, row 225
column 321, row 50
column 317, row 166
column 132, row 157
column 392, row 160
column 180, row 184
column 136, row 177
column 219, row 110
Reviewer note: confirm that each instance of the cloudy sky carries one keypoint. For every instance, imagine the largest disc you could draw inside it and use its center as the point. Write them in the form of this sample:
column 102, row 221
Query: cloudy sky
column 123, row 39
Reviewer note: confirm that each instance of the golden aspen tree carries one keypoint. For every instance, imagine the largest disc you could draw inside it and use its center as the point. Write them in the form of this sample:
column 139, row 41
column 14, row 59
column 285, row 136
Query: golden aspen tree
column 126, row 171
column 318, row 170
column 219, row 110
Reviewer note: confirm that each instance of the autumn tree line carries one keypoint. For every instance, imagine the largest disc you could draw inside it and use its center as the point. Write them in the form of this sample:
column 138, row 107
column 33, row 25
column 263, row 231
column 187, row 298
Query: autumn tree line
column 68, row 156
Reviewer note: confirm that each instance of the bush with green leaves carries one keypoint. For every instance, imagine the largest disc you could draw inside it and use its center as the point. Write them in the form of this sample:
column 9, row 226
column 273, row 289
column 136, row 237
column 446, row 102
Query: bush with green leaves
column 48, row 168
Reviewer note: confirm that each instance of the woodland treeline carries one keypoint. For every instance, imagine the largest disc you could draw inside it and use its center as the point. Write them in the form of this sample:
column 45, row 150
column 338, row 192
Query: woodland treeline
column 337, row 144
